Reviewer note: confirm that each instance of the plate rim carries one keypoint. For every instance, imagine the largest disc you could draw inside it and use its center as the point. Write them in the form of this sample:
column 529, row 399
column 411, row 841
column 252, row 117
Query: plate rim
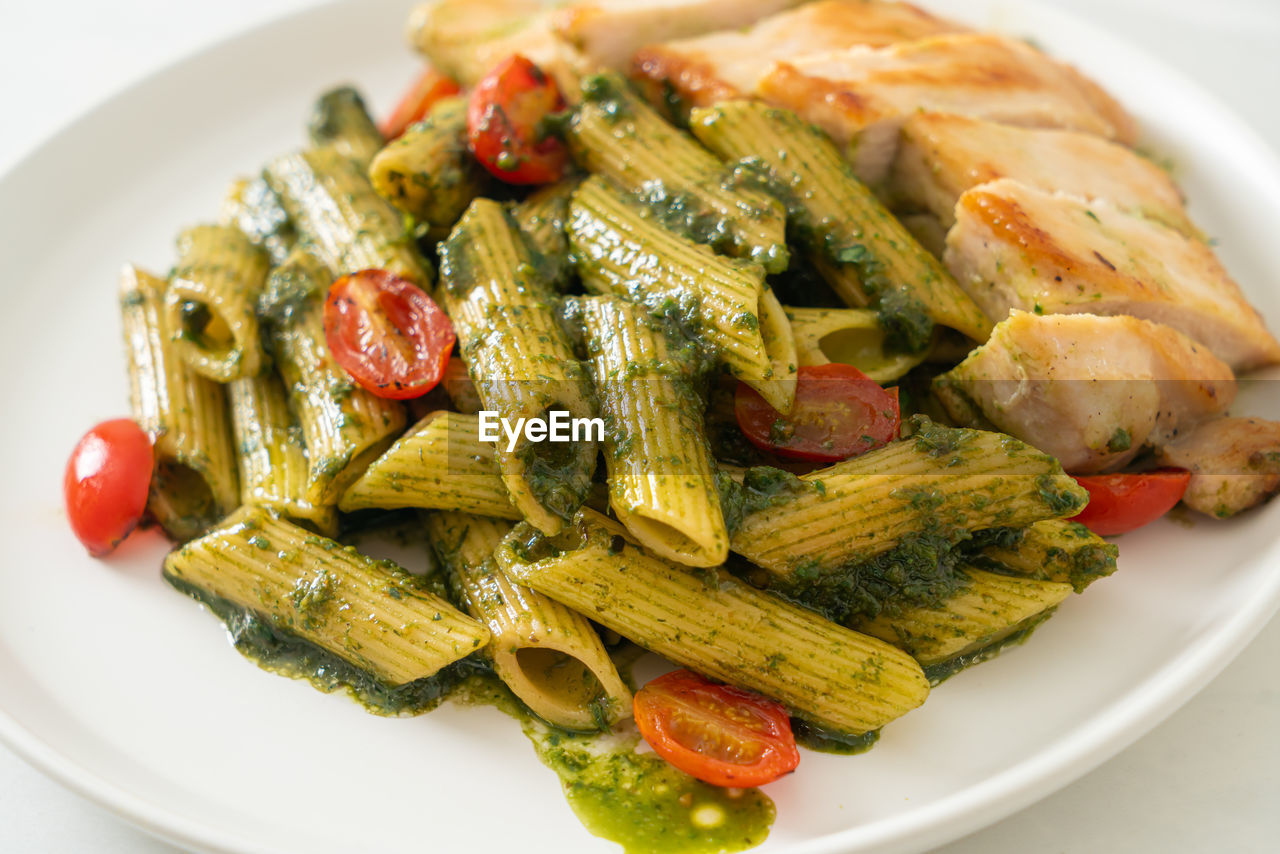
column 1086, row 746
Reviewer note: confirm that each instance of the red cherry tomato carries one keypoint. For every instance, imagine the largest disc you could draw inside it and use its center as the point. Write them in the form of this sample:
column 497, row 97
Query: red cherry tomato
column 1119, row 503
column 431, row 86
column 839, row 413
column 106, row 484
column 722, row 735
column 506, row 123
column 387, row 334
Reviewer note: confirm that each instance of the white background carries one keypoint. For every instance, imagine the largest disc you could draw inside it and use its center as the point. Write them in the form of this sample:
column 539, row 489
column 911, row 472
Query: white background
column 1206, row 779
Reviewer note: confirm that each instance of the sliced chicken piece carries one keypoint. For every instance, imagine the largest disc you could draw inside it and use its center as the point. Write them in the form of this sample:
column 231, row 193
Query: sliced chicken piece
column 1091, row 391
column 862, row 95
column 724, row 65
column 1234, row 464
column 1014, row 246
column 608, row 33
column 465, row 38
column 941, row 156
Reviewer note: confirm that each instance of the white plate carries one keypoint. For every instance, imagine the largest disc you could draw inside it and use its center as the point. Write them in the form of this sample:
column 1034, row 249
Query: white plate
column 123, row 690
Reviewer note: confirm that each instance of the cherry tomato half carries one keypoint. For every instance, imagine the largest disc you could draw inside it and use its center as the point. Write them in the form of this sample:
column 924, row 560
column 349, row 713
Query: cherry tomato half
column 106, row 484
column 722, row 735
column 387, row 334
column 839, row 413
column 506, row 123
column 1119, row 503
column 431, row 86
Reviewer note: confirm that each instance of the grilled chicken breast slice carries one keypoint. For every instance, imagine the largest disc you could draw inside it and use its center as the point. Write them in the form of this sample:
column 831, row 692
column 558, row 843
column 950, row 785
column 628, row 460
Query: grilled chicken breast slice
column 1017, row 247
column 1091, row 391
column 861, row 95
column 1234, row 464
column 607, row 33
column 941, row 156
column 723, row 65
column 465, row 38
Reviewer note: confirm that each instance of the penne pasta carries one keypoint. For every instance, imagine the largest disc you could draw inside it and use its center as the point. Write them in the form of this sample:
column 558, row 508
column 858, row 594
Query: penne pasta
column 340, row 217
column 620, row 251
column 440, row 464
column 519, row 358
column 863, row 251
column 369, row 613
column 340, row 120
column 548, row 655
column 661, row 475
column 943, row 481
column 614, row 133
column 429, row 172
column 987, row 609
column 194, row 484
column 824, row 673
column 272, row 458
column 345, row 427
column 212, row 300
column 848, row 336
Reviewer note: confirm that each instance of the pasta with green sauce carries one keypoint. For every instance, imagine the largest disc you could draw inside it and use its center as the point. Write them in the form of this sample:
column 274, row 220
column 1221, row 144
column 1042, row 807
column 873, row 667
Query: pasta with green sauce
column 637, row 287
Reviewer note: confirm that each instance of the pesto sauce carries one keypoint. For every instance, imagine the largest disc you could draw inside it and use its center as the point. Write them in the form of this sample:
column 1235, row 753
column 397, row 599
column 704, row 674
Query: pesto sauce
column 920, row 571
column 635, row 798
column 824, row 740
column 942, row 671
column 257, row 639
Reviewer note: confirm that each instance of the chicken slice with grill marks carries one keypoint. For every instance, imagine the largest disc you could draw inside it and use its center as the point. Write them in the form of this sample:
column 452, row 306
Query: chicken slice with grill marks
column 724, row 65
column 1234, row 464
column 1017, row 247
column 466, row 38
column 1091, row 391
column 861, row 95
column 941, row 156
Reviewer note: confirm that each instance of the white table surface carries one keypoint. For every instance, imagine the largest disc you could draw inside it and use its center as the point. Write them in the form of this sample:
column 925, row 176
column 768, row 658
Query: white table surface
column 1208, row 779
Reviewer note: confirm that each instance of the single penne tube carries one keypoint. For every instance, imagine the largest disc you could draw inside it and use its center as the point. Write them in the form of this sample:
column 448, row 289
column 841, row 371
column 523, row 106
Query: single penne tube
column 542, row 219
column 344, row 222
column 251, row 206
column 945, row 481
column 662, row 483
column 370, row 613
column 620, row 251
column 429, row 172
column 846, row 229
column 440, row 464
column 616, row 134
column 340, row 120
column 272, row 462
column 194, row 484
column 847, row 336
column 1053, row 550
column 520, row 360
column 823, row 673
column 345, row 427
column 212, row 302
column 548, row 655
column 986, row 609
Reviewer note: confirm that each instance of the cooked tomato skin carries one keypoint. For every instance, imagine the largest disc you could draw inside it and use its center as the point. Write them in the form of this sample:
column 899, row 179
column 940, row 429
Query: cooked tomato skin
column 430, row 87
column 682, row 705
column 839, row 413
column 387, row 334
column 1119, row 503
column 506, row 123
column 106, row 483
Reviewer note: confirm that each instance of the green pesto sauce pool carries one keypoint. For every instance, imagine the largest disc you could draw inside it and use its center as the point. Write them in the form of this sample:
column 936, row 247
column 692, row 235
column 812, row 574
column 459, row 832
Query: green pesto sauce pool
column 632, row 797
